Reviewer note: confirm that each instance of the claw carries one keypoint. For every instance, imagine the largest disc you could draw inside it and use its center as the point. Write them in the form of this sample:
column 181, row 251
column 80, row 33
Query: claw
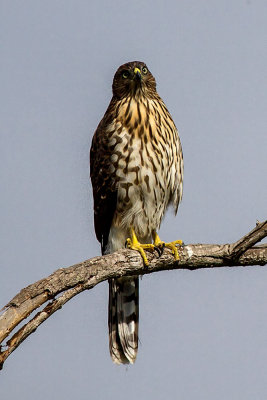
column 160, row 249
column 171, row 245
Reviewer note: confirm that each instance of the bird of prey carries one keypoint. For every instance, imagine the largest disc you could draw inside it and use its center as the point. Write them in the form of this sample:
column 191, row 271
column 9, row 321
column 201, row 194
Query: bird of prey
column 136, row 169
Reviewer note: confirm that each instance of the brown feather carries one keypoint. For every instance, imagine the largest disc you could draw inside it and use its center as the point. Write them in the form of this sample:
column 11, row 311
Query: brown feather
column 136, row 168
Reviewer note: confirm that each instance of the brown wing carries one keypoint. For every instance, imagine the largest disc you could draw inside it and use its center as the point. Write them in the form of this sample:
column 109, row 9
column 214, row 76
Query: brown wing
column 104, row 189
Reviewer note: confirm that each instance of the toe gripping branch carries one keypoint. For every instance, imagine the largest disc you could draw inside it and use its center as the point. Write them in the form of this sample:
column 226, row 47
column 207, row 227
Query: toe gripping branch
column 134, row 244
column 170, row 245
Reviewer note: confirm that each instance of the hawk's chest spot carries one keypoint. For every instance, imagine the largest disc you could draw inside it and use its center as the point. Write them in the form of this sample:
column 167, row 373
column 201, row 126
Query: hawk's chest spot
column 137, row 145
column 133, row 113
column 139, row 118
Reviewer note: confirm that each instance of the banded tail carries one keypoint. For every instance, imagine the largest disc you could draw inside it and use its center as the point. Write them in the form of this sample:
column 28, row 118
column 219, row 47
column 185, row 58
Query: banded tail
column 123, row 319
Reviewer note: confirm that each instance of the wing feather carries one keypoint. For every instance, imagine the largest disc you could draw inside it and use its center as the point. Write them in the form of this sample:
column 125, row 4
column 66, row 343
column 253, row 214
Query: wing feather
column 103, row 183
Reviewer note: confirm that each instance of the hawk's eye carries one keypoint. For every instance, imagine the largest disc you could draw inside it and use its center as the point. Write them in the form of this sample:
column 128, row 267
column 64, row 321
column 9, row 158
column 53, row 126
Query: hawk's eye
column 144, row 70
column 125, row 74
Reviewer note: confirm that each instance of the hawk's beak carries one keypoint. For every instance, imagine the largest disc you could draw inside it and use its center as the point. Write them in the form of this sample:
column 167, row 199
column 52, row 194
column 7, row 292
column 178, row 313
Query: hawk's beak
column 137, row 73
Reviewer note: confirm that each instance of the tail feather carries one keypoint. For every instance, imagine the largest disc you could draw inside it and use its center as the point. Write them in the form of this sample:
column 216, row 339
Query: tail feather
column 123, row 319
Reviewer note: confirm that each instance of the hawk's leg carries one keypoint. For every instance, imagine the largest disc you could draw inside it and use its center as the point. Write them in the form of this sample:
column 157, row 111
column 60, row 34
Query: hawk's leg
column 134, row 244
column 171, row 245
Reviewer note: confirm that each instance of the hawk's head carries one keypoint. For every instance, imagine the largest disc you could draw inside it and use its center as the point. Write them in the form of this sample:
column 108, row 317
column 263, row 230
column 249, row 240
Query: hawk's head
column 133, row 78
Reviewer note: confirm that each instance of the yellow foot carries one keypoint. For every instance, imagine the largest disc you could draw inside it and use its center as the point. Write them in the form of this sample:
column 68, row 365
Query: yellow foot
column 134, row 244
column 171, row 245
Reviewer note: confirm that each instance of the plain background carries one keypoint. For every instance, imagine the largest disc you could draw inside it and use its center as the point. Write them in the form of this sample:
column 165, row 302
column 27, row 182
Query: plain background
column 203, row 334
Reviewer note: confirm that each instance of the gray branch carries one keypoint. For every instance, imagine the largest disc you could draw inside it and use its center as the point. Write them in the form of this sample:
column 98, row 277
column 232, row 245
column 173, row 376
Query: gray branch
column 65, row 283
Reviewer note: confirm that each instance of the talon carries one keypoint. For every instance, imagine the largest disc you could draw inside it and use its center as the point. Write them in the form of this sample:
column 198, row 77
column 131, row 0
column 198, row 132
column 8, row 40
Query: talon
column 170, row 245
column 159, row 250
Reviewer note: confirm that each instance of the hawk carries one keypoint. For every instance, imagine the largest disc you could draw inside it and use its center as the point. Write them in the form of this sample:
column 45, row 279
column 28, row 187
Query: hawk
column 136, row 169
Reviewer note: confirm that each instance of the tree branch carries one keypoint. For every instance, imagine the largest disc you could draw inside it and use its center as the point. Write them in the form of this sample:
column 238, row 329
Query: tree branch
column 68, row 282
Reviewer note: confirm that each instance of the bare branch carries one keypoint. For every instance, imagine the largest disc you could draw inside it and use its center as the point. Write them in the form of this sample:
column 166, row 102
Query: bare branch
column 68, row 282
column 246, row 242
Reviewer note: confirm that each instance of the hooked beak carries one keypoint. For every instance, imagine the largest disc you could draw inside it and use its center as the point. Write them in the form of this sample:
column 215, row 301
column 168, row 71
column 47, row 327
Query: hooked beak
column 137, row 73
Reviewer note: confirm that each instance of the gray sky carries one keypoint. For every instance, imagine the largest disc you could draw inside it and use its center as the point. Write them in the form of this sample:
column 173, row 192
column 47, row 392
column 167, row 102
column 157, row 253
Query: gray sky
column 203, row 334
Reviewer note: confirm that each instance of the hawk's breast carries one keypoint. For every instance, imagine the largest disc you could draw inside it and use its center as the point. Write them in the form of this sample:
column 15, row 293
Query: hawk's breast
column 146, row 163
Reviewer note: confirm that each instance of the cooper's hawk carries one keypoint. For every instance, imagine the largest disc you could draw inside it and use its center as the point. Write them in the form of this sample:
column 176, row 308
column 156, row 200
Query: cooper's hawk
column 136, row 171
